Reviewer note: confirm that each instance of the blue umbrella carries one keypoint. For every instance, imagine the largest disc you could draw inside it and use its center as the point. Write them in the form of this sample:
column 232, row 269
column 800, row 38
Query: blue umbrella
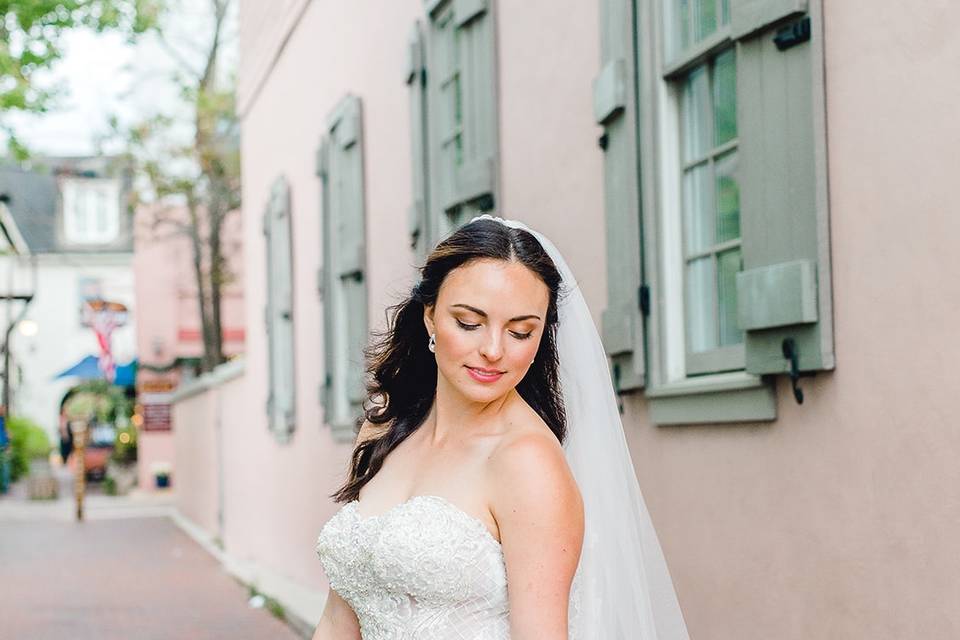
column 88, row 368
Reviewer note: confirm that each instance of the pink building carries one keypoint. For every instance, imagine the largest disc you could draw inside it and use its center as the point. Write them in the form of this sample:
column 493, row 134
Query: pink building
column 169, row 337
column 755, row 197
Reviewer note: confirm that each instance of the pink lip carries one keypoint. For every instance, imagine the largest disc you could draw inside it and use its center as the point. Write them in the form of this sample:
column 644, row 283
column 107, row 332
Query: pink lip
column 481, row 375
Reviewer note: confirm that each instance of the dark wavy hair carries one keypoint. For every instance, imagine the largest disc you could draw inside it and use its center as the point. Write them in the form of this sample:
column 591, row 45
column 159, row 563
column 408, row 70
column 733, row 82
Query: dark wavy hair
column 402, row 372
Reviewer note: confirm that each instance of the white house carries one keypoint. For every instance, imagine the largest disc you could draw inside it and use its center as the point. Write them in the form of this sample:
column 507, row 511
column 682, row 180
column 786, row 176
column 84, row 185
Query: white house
column 73, row 220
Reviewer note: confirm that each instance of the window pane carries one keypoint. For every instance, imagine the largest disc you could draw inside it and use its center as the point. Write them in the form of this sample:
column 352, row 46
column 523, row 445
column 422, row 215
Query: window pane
column 696, row 114
column 706, row 18
column 728, row 264
column 82, row 208
column 457, row 101
column 698, row 219
column 728, row 196
column 683, row 24
column 725, row 96
column 100, row 199
column 724, row 11
column 700, row 287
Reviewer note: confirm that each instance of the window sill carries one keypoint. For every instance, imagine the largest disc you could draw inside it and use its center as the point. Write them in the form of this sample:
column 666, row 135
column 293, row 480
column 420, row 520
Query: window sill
column 720, row 398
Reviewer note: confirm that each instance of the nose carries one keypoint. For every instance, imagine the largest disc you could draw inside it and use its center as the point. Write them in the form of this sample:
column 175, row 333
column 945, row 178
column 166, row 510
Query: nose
column 492, row 347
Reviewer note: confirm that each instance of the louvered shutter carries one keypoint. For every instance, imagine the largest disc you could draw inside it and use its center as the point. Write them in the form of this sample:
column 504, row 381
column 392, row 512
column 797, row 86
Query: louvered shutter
column 416, row 79
column 462, row 113
column 784, row 290
column 281, row 403
column 345, row 292
column 614, row 106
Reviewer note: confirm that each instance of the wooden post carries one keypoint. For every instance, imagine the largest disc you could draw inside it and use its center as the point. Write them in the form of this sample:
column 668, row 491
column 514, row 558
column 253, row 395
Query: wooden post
column 79, row 452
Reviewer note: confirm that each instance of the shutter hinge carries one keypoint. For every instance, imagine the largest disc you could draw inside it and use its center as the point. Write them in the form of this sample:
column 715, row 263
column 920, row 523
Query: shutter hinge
column 643, row 298
column 792, row 35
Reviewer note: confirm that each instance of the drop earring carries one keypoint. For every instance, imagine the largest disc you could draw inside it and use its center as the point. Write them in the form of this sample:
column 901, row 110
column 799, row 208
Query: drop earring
column 432, row 343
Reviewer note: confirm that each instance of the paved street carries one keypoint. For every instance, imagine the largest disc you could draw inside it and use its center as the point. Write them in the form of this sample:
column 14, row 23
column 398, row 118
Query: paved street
column 126, row 572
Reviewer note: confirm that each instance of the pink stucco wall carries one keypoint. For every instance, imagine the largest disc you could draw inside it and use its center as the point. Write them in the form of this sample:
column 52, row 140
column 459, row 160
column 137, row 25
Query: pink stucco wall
column 841, row 519
column 154, row 447
column 283, row 503
column 838, row 520
column 168, row 320
column 551, row 165
column 195, row 479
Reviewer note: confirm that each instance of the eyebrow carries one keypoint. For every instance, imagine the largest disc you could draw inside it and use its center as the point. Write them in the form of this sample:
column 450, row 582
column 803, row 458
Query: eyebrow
column 482, row 313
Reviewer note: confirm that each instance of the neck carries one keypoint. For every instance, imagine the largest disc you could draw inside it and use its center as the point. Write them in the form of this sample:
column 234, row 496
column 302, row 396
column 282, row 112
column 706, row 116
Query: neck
column 454, row 417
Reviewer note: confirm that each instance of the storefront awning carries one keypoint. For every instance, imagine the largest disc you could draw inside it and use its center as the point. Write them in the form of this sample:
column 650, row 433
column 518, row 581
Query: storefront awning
column 88, row 368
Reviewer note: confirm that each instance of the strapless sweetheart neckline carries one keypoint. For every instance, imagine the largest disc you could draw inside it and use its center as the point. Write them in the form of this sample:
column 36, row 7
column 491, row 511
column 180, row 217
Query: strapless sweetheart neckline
column 355, row 504
column 424, row 569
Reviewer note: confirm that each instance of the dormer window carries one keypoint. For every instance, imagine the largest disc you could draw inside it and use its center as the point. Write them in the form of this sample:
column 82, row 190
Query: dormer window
column 91, row 210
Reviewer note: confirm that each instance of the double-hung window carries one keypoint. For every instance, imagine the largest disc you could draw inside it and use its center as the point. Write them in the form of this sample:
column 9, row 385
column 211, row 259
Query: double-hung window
column 710, row 187
column 91, row 208
column 715, row 166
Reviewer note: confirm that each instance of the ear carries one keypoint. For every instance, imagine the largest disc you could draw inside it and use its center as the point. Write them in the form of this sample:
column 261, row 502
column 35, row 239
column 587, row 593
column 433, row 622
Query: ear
column 428, row 319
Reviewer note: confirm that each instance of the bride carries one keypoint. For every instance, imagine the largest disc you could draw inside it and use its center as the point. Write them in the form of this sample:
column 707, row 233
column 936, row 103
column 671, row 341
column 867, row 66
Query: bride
column 491, row 494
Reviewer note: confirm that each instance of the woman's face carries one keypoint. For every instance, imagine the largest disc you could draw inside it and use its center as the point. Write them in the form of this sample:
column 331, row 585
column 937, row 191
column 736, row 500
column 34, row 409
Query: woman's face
column 488, row 320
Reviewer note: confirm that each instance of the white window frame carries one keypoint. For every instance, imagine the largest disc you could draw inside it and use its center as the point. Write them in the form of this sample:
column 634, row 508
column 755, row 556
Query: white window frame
column 80, row 218
column 669, row 189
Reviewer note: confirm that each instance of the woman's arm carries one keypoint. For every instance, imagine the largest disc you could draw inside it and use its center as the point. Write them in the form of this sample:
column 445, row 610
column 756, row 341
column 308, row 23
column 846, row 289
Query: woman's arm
column 338, row 621
column 540, row 515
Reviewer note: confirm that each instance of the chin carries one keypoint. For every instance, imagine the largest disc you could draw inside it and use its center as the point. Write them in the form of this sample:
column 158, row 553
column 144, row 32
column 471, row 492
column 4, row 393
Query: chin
column 486, row 393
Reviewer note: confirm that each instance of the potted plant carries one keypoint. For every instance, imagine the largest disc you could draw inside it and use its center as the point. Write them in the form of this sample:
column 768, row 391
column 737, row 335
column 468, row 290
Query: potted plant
column 161, row 474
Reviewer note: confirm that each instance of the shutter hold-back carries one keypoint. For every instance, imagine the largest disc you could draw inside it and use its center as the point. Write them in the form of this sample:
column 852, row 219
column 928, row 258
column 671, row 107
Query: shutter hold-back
column 791, row 353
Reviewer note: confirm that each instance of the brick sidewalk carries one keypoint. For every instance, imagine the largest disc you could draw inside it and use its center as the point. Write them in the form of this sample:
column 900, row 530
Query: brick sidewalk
column 137, row 578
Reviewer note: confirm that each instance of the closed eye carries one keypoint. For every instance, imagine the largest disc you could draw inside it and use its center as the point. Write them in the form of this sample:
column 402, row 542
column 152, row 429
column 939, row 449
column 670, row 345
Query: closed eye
column 468, row 327
column 471, row 327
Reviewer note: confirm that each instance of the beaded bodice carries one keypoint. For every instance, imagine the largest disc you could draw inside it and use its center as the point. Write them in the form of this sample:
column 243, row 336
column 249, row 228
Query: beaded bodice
column 425, row 569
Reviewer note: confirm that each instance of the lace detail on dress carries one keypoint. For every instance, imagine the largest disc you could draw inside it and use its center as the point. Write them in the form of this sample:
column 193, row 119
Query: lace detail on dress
column 424, row 570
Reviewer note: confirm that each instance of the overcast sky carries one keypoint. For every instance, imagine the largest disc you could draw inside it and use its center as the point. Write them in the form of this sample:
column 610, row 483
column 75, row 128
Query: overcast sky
column 102, row 75
column 95, row 75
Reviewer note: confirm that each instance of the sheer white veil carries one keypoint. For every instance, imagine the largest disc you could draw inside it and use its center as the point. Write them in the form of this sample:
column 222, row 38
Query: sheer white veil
column 622, row 590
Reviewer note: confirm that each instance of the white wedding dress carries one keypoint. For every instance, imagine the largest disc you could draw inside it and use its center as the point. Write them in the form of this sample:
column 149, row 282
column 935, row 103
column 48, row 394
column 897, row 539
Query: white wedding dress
column 424, row 570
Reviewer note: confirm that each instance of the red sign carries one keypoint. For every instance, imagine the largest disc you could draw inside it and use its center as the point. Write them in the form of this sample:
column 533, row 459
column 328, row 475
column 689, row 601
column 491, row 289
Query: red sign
column 154, row 402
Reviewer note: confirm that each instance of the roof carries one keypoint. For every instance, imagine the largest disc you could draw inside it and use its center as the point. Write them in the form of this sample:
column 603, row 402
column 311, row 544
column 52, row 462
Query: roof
column 31, row 198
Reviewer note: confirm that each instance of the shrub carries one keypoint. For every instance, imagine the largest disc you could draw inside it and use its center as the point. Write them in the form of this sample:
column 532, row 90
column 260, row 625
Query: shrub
column 125, row 446
column 27, row 441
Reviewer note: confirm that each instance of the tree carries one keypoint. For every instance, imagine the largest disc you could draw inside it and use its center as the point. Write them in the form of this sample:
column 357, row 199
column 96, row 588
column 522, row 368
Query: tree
column 202, row 173
column 31, row 32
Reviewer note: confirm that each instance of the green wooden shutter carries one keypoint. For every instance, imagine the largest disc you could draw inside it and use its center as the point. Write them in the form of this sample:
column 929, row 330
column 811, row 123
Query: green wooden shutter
column 281, row 403
column 345, row 292
column 474, row 39
column 353, row 255
column 461, row 113
column 325, row 284
column 416, row 78
column 784, row 290
column 614, row 106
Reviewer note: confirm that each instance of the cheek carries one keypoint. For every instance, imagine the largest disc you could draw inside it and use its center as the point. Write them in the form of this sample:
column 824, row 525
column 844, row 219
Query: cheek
column 455, row 342
column 525, row 351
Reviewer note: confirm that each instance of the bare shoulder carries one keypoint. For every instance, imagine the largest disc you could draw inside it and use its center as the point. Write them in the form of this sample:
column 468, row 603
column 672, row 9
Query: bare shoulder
column 529, row 475
column 539, row 513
